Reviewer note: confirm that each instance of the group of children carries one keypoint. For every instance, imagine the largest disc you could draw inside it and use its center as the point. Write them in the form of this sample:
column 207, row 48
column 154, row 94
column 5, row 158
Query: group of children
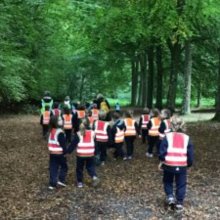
column 91, row 134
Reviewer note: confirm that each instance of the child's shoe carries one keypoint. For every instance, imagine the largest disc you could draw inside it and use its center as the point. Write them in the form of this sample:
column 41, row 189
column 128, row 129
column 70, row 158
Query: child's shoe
column 51, row 187
column 179, row 207
column 130, row 158
column 61, row 184
column 95, row 180
column 125, row 158
column 80, row 185
column 149, row 155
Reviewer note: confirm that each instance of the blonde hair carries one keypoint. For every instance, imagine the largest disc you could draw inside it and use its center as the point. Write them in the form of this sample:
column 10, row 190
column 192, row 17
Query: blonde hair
column 177, row 124
column 83, row 126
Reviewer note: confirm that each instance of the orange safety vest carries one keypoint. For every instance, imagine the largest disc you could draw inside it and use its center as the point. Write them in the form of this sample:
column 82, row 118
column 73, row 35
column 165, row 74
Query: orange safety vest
column 101, row 131
column 86, row 145
column 95, row 113
column 56, row 112
column 119, row 136
column 130, row 127
column 81, row 114
column 177, row 149
column 167, row 129
column 145, row 120
column 67, row 121
column 155, row 126
column 53, row 143
column 46, row 118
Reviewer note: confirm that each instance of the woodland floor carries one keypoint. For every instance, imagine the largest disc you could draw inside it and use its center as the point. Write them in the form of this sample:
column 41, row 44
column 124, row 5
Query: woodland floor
column 128, row 189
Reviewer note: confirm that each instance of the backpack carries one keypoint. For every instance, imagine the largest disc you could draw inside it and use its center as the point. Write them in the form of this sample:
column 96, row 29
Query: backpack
column 104, row 107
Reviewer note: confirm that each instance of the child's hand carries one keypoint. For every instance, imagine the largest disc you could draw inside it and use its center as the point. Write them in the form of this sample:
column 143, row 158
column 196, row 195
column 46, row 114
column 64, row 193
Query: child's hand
column 160, row 166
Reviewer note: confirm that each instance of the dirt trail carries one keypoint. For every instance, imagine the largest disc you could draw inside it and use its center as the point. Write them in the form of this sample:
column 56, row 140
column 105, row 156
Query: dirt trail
column 128, row 190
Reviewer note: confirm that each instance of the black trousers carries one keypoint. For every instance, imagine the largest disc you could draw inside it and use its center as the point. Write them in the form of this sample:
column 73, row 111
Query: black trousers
column 129, row 140
column 152, row 141
column 45, row 130
column 119, row 152
column 144, row 133
column 101, row 149
column 68, row 133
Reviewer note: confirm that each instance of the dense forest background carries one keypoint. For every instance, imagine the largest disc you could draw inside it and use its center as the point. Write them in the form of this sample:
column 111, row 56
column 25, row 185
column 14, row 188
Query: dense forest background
column 149, row 52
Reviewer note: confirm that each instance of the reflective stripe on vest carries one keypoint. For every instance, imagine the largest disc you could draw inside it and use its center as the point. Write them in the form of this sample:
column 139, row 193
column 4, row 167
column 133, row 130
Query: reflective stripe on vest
column 155, row 126
column 46, row 118
column 95, row 114
column 119, row 136
column 81, row 114
column 101, row 131
column 167, row 128
column 130, row 127
column 145, row 120
column 53, row 143
column 86, row 145
column 177, row 149
column 67, row 121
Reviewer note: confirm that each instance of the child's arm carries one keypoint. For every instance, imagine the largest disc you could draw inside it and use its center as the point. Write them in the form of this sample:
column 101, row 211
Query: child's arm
column 190, row 154
column 162, row 127
column 62, row 142
column 109, row 134
column 73, row 144
column 137, row 128
column 140, row 122
column 163, row 149
column 149, row 125
column 41, row 119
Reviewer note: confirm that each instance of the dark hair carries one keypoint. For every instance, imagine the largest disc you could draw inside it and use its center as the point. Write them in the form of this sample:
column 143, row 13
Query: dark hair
column 55, row 105
column 66, row 110
column 155, row 112
column 116, row 115
column 47, row 107
column 128, row 114
column 53, row 122
column 146, row 110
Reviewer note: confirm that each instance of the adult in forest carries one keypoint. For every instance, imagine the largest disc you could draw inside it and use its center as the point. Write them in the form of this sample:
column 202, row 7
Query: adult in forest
column 103, row 104
column 46, row 101
column 175, row 154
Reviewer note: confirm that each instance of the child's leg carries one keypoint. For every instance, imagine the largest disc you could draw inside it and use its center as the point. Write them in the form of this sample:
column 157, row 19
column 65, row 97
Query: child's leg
column 63, row 169
column 79, row 168
column 168, row 178
column 68, row 133
column 150, row 144
column 103, row 151
column 132, row 145
column 180, row 179
column 90, row 166
column 120, row 150
column 144, row 133
column 53, row 166
column 45, row 130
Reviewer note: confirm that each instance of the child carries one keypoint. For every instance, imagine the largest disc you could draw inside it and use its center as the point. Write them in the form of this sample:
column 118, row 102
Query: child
column 81, row 113
column 176, row 154
column 131, row 130
column 117, row 107
column 57, row 149
column 90, row 118
column 117, row 134
column 95, row 112
column 153, row 131
column 84, row 143
column 45, row 120
column 67, row 123
column 57, row 112
column 165, row 123
column 102, row 136
column 144, row 119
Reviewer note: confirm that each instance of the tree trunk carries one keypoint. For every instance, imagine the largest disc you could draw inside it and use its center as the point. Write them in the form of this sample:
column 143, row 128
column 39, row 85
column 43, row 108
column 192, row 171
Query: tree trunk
column 134, row 81
column 187, row 75
column 159, row 94
column 140, row 83
column 175, row 55
column 81, row 87
column 144, row 79
column 217, row 114
column 150, row 77
column 198, row 94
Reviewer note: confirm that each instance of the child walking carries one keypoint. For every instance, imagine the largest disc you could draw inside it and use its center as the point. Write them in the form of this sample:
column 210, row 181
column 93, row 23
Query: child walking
column 67, row 123
column 153, row 131
column 175, row 154
column 57, row 149
column 102, row 136
column 84, row 143
column 131, row 130
column 144, row 119
column 45, row 121
column 118, row 135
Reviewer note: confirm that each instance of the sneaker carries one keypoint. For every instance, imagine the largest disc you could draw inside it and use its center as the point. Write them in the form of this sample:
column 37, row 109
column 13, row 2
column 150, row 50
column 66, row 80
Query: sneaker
column 125, row 158
column 130, row 158
column 179, row 207
column 103, row 163
column 149, row 155
column 79, row 185
column 95, row 180
column 61, row 184
column 170, row 200
column 51, row 187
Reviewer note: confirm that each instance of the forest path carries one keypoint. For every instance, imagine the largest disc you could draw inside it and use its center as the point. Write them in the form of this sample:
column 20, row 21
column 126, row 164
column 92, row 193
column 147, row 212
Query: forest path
column 128, row 189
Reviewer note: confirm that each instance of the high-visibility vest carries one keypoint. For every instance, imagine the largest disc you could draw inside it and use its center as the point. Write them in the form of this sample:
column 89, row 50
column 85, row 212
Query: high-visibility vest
column 81, row 114
column 95, row 114
column 154, row 131
column 86, row 145
column 101, row 131
column 145, row 120
column 46, row 118
column 130, row 127
column 167, row 129
column 53, row 143
column 44, row 104
column 67, row 121
column 119, row 136
column 177, row 149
